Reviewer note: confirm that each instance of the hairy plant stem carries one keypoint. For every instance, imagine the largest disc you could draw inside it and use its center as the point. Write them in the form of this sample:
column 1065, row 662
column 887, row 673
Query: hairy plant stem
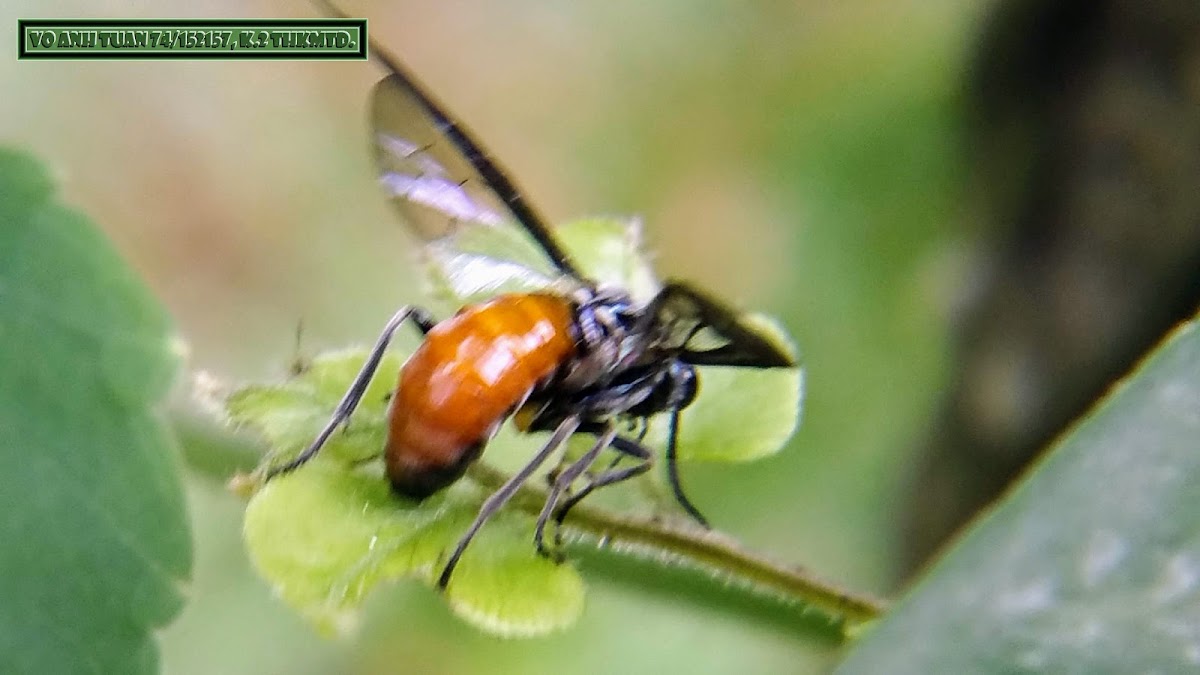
column 729, row 577
column 725, row 561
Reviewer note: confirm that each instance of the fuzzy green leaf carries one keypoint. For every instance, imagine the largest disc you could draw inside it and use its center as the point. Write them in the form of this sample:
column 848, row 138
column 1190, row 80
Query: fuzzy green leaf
column 95, row 539
column 326, row 534
column 1090, row 565
column 289, row 415
column 539, row 596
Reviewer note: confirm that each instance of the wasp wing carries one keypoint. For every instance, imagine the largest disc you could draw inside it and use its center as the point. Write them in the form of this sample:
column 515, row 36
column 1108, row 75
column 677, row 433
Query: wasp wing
column 433, row 185
column 477, row 264
column 704, row 331
column 453, row 195
column 475, row 248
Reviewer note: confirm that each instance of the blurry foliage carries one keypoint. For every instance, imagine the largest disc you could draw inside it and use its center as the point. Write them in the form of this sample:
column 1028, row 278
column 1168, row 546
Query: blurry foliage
column 96, row 543
column 798, row 157
column 1090, row 564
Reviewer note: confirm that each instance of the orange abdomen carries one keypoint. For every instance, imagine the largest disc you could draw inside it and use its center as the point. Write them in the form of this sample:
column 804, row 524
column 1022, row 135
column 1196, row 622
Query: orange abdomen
column 464, row 379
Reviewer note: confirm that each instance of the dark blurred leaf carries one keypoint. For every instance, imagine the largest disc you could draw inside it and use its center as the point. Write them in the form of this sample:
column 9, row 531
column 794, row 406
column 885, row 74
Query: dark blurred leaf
column 1083, row 142
column 1090, row 565
column 96, row 543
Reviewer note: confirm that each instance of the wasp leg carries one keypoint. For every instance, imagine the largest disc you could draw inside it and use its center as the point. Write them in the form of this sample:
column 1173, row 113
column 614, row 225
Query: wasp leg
column 501, row 496
column 673, row 472
column 609, row 476
column 354, row 394
column 587, row 490
column 562, row 482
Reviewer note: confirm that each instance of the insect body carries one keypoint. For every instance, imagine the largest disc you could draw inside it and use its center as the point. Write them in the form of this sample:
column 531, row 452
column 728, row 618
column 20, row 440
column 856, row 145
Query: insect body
column 471, row 372
column 565, row 355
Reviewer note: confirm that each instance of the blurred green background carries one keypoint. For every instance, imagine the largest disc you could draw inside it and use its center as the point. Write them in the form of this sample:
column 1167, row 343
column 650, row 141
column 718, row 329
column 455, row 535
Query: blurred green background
column 801, row 157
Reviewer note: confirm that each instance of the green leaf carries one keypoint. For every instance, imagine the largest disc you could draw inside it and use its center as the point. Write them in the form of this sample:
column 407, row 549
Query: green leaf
column 1090, row 565
column 96, row 542
column 539, row 596
column 290, row 415
column 610, row 252
column 326, row 534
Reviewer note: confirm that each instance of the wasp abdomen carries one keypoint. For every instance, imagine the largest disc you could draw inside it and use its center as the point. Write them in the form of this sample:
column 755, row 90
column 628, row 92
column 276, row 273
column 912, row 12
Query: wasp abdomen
column 464, row 379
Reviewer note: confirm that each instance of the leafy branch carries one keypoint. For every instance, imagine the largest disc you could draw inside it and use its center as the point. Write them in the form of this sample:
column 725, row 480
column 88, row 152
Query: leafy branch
column 328, row 532
column 340, row 504
column 722, row 557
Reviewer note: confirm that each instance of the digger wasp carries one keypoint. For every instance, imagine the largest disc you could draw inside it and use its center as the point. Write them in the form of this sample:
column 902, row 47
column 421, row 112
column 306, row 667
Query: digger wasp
column 564, row 354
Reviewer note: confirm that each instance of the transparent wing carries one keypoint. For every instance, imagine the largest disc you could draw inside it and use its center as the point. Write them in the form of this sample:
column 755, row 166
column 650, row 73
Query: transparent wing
column 483, row 236
column 475, row 264
column 432, row 184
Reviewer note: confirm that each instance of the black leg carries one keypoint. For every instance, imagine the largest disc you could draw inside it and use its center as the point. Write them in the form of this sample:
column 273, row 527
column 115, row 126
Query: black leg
column 354, row 394
column 563, row 481
column 501, row 496
column 610, row 476
column 673, row 472
column 615, row 461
